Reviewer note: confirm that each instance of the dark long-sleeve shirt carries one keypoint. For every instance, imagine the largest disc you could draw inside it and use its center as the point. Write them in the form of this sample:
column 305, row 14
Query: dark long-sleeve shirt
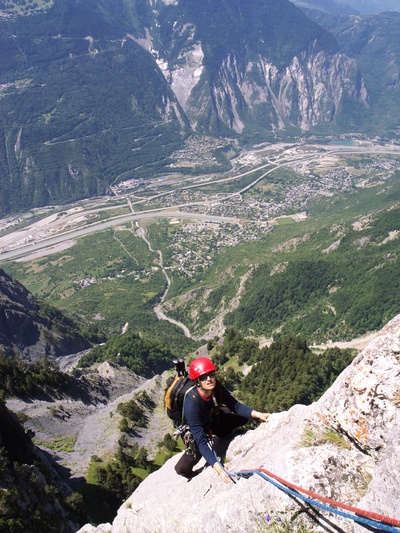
column 198, row 413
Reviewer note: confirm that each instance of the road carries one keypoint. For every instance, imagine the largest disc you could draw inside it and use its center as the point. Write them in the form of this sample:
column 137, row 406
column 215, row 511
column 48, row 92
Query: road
column 70, row 235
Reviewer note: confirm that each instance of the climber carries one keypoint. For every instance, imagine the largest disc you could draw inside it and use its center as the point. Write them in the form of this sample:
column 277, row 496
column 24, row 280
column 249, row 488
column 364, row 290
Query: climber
column 209, row 410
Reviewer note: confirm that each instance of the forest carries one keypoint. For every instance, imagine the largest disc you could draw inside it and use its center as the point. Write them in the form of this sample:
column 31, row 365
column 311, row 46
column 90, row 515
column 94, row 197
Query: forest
column 141, row 354
column 288, row 373
column 285, row 373
column 42, row 378
column 338, row 295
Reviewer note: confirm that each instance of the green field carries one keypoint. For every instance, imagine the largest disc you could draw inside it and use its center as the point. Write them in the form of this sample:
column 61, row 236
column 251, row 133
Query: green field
column 109, row 279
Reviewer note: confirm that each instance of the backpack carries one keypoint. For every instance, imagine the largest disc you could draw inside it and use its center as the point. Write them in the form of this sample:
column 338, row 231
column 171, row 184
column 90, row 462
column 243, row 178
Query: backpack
column 175, row 396
column 177, row 392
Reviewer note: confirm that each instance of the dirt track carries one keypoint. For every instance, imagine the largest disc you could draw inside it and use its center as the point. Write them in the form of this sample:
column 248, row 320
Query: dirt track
column 358, row 344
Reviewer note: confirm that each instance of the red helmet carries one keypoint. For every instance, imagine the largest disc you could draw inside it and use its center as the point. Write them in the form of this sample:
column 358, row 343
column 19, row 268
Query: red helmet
column 200, row 366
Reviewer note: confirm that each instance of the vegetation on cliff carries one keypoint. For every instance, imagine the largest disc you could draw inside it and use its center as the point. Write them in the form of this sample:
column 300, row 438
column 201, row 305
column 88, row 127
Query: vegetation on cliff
column 23, row 379
column 32, row 496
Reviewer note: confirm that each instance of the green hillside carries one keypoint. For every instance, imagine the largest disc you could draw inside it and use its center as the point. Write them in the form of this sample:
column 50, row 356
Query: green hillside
column 107, row 281
column 332, row 276
column 82, row 106
column 322, row 294
column 283, row 374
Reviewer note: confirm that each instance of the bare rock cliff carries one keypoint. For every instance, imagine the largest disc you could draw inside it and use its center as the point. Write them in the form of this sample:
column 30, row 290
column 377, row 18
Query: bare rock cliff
column 345, row 446
column 306, row 93
column 264, row 68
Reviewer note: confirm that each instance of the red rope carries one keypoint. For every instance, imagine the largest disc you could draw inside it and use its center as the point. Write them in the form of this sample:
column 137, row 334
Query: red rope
column 333, row 503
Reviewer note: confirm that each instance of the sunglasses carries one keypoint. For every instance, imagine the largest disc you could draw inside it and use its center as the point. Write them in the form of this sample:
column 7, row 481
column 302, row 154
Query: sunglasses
column 206, row 376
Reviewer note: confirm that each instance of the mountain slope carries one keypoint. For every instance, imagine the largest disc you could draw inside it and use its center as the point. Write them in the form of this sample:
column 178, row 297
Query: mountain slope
column 373, row 41
column 83, row 105
column 97, row 93
column 33, row 330
column 32, row 494
column 344, row 447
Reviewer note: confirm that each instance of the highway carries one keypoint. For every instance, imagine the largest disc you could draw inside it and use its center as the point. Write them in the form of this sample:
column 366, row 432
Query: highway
column 71, row 235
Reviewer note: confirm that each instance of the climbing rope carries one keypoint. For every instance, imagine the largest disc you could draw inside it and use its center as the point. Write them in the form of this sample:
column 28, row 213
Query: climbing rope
column 369, row 519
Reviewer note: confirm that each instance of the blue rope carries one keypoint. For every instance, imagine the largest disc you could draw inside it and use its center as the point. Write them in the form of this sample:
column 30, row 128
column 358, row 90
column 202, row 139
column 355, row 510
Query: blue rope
column 356, row 518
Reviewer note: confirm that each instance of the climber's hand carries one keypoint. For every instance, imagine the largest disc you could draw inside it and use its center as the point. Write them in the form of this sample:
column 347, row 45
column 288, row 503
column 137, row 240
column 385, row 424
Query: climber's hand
column 261, row 416
column 221, row 472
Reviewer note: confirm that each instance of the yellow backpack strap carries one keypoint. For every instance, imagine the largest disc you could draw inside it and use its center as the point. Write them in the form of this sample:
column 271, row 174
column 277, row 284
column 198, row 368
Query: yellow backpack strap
column 168, row 393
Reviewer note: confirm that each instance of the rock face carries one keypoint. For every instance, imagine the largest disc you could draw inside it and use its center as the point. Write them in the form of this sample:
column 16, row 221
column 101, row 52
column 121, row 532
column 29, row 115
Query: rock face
column 264, row 67
column 345, row 446
column 304, row 94
column 25, row 330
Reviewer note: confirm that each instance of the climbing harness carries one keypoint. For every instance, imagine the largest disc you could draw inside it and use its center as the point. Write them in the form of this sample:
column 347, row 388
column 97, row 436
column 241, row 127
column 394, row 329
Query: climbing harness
column 184, row 432
column 366, row 518
column 189, row 442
